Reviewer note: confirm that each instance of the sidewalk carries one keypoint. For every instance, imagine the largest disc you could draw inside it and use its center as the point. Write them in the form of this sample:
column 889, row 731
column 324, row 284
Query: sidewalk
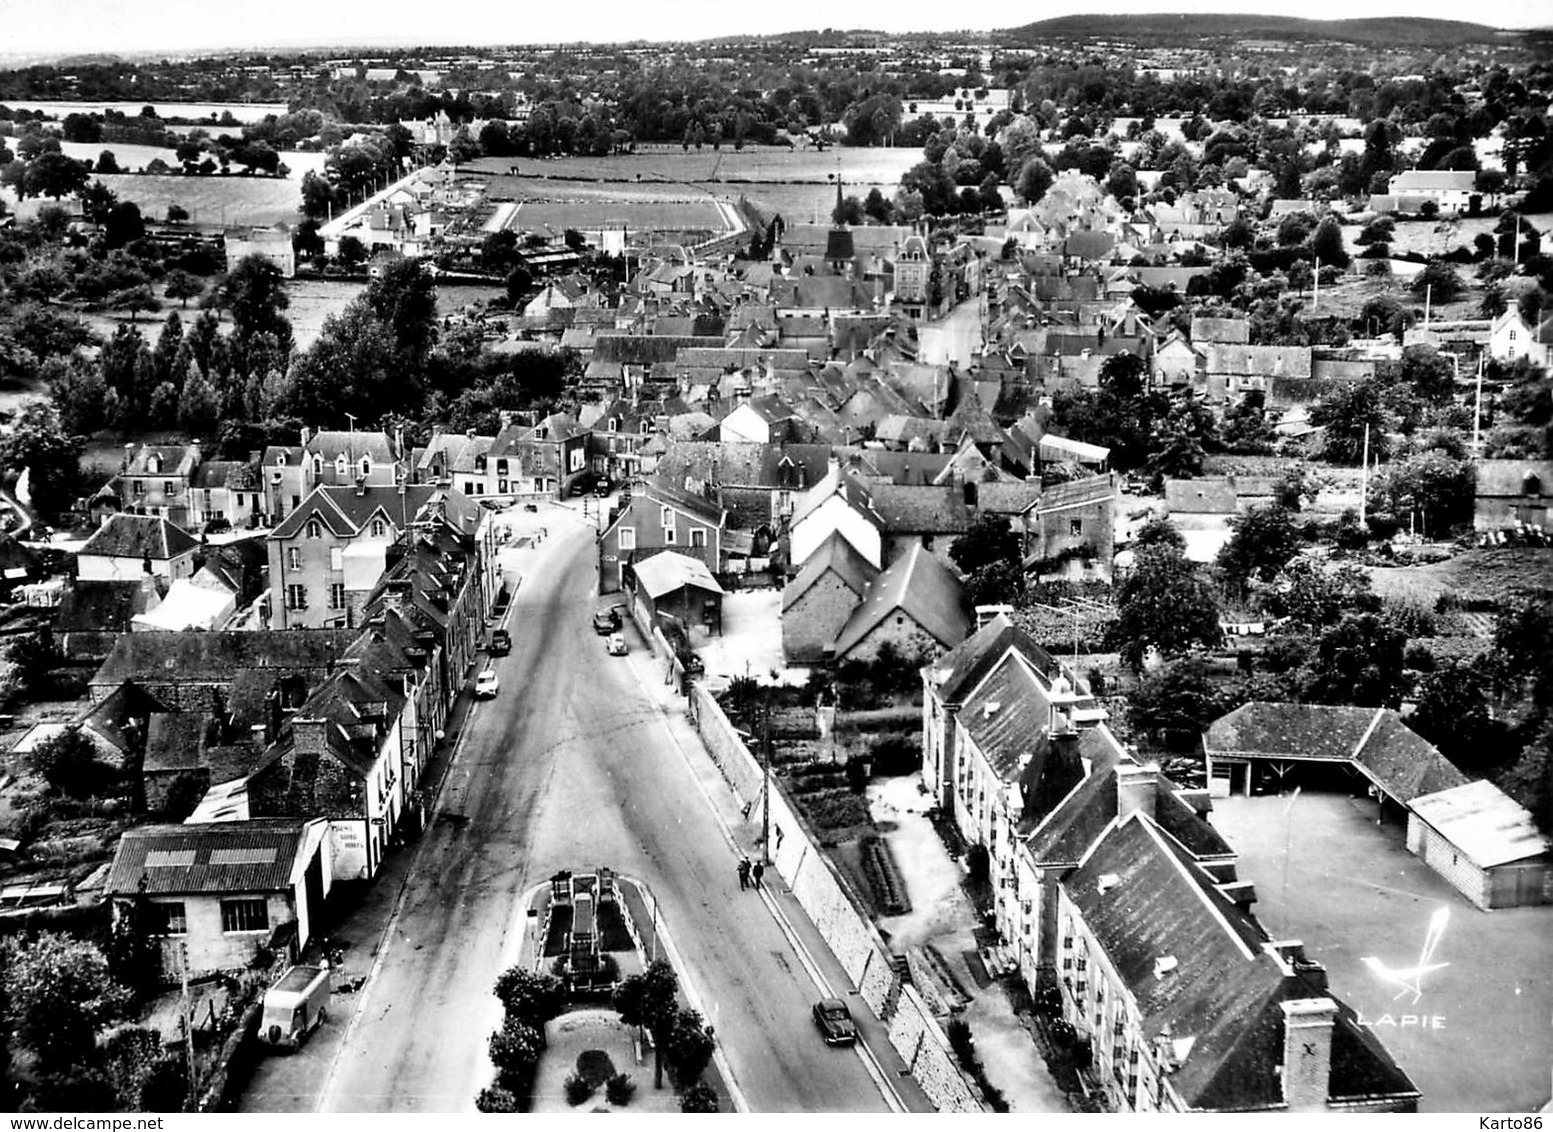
column 746, row 836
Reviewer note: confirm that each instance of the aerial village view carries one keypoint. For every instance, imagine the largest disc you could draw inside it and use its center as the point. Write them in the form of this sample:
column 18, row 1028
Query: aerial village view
column 861, row 571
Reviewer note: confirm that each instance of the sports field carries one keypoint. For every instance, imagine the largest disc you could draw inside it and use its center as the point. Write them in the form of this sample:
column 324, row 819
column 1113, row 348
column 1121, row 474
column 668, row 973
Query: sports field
column 637, row 215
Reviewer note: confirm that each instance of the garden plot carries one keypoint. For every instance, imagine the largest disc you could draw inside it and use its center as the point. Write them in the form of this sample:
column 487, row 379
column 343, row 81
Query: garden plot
column 256, row 201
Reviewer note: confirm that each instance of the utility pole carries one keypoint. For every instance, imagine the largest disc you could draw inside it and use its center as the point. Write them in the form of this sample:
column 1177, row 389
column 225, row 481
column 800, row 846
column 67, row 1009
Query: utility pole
column 188, row 1025
column 1315, row 293
column 765, row 790
column 1428, row 300
column 1364, row 475
column 1477, row 416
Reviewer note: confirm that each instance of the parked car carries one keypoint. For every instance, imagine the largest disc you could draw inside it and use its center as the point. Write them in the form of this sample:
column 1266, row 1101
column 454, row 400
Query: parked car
column 617, row 645
column 835, row 1022
column 601, row 489
column 294, row 1007
column 501, row 642
column 531, row 507
column 486, row 685
column 607, row 621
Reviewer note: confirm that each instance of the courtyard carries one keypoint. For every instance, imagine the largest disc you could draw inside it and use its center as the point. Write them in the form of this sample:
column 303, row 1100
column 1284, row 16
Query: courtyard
column 1475, row 1037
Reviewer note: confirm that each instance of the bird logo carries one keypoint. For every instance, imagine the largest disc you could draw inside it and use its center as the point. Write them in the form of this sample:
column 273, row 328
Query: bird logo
column 1410, row 979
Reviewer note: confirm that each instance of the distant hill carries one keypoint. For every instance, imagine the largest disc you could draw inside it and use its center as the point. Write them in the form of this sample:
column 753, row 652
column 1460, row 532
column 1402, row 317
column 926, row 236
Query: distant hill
column 1167, row 28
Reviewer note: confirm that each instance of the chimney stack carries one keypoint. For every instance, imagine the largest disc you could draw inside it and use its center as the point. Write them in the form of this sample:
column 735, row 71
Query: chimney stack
column 1307, row 1052
column 1136, row 788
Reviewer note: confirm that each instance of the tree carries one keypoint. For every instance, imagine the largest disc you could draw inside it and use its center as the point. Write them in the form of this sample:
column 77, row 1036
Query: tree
column 463, row 148
column 68, row 763
column 1176, row 703
column 352, row 367
column 255, row 294
column 38, row 444
column 688, row 1047
column 1434, row 488
column 318, row 196
column 1453, row 712
column 848, row 210
column 1159, row 532
column 1262, row 542
column 1314, row 597
column 1438, row 282
column 1179, row 440
column 515, row 1050
column 528, row 997
column 1164, row 604
column 1035, row 178
column 877, row 207
column 135, row 299
column 649, row 1001
column 1326, row 243
column 700, row 1097
column 182, row 286
column 54, row 175
column 1358, row 661
column 59, row 991
column 987, row 541
column 176, row 213
column 1348, row 414
column 404, row 299
column 1428, row 373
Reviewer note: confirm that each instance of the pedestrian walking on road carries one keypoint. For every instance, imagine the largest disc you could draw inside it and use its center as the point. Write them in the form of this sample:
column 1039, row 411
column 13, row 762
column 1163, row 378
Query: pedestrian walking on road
column 757, row 872
column 744, row 873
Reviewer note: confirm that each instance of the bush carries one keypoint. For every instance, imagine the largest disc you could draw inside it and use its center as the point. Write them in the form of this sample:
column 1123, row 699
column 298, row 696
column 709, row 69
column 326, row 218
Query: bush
column 578, row 1089
column 857, row 773
column 700, row 1097
column 1418, row 657
column 979, row 862
column 619, row 1089
column 897, row 753
column 958, row 1031
column 595, row 1067
column 496, row 1099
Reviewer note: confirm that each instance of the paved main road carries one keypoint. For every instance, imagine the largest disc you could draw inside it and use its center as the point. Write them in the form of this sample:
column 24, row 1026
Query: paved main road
column 571, row 766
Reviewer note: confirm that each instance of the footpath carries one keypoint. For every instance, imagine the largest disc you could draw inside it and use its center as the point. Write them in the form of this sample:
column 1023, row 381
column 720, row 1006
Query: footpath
column 743, row 832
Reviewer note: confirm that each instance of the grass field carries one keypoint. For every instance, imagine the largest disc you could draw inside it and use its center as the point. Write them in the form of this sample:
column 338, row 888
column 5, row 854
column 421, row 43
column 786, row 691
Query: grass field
column 638, row 215
column 134, row 157
column 707, row 165
column 1488, row 574
column 260, row 201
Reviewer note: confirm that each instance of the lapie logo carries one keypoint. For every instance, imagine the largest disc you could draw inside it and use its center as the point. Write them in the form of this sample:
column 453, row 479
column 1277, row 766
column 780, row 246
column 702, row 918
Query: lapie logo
column 1411, row 979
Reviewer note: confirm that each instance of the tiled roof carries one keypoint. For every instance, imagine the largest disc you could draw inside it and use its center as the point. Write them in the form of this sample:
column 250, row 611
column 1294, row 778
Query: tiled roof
column 1145, row 900
column 346, row 510
column 1259, row 361
column 1512, row 478
column 935, row 509
column 215, row 657
column 1208, row 495
column 140, row 536
column 122, row 712
column 1006, row 715
column 222, row 857
column 835, row 555
column 354, row 445
column 175, row 740
column 922, row 588
column 1402, row 762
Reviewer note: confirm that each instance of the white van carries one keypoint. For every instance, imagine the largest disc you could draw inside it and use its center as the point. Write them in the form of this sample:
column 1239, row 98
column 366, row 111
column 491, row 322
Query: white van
column 295, row 1006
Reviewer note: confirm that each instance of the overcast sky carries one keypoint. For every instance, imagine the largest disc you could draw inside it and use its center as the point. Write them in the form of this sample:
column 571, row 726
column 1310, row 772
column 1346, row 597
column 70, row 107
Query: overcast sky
column 182, row 25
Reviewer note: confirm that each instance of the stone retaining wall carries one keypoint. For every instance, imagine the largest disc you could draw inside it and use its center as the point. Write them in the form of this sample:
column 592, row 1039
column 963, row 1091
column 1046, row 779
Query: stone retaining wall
column 837, row 913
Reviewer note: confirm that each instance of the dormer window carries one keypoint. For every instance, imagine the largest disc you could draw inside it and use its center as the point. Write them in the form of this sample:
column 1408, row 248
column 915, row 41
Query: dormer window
column 341, row 465
column 154, row 464
column 366, row 466
column 280, row 459
column 379, row 528
column 318, row 466
column 315, row 529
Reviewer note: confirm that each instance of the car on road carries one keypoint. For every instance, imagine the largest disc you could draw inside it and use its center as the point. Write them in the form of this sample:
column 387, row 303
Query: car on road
column 601, row 489
column 617, row 645
column 607, row 621
column 835, row 1022
column 501, row 642
column 486, row 685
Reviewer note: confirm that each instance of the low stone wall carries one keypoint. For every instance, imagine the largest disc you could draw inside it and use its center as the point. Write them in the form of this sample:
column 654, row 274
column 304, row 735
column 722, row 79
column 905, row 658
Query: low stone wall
column 837, row 913
column 722, row 742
